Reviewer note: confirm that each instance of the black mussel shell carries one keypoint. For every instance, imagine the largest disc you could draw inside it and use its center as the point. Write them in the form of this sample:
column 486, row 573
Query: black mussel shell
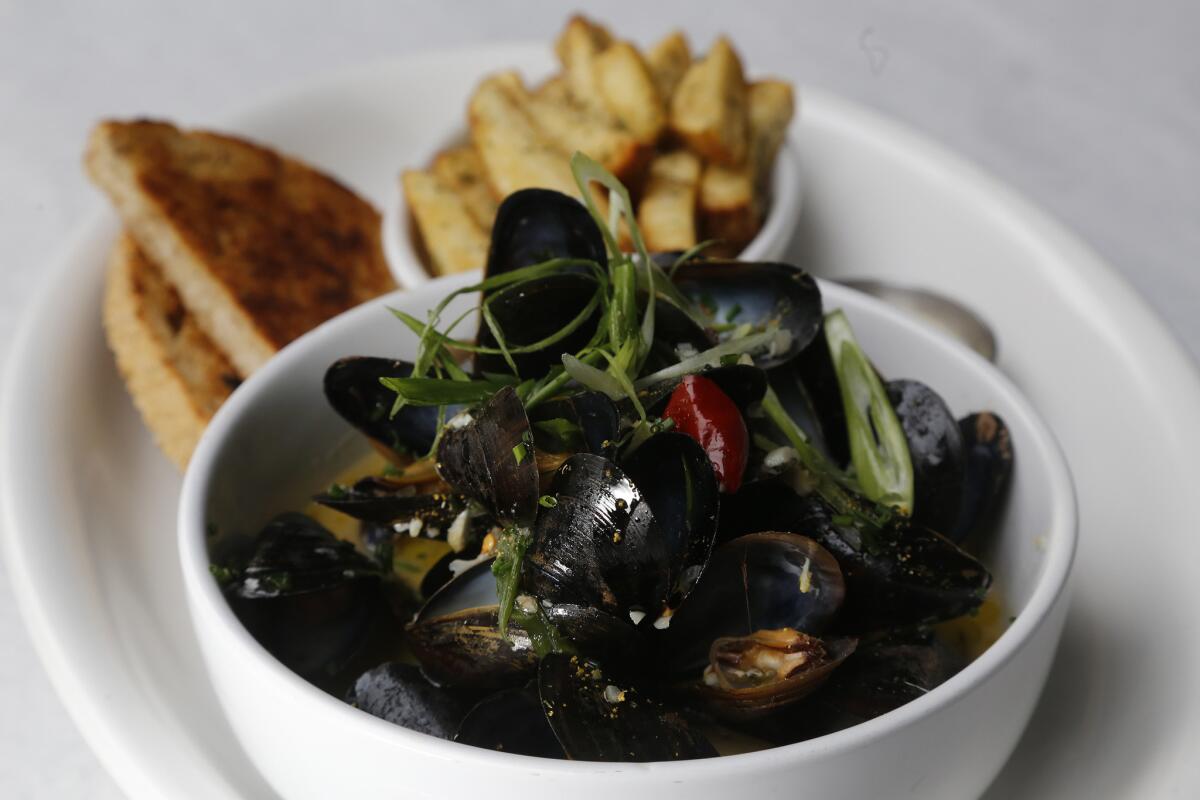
column 586, row 421
column 534, row 310
column 537, row 225
column 751, row 677
column 744, row 384
column 598, row 716
column 756, row 292
column 599, row 545
column 603, row 544
column 901, row 575
column 465, row 649
column 807, row 387
column 353, row 389
column 491, row 459
column 761, row 581
column 677, row 480
column 376, row 499
column 400, row 694
column 674, row 329
column 936, row 448
column 305, row 595
column 987, row 445
column 510, row 721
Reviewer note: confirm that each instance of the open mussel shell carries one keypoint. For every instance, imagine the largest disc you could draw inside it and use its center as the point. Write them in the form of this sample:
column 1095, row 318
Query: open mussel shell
column 352, row 387
column 376, row 499
column 532, row 311
column 306, row 596
column 987, row 445
column 766, row 580
column 901, row 575
column 808, row 390
column 400, row 694
column 603, row 543
column 675, row 335
column 599, row 716
column 510, row 721
column 586, row 421
column 491, row 459
column 757, row 293
column 537, row 225
column 750, row 677
column 935, row 447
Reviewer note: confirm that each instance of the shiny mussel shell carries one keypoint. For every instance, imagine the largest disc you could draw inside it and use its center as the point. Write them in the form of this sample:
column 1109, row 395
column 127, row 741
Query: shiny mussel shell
column 510, row 721
column 491, row 459
column 537, row 225
column 609, row 544
column 760, row 581
column 756, row 292
column 353, row 389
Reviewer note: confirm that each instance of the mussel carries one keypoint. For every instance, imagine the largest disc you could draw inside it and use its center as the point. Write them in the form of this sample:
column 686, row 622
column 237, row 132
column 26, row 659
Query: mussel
column 377, row 499
column 761, row 581
column 511, row 721
column 585, row 421
column 605, row 543
column 753, row 676
column 491, row 459
column 306, row 596
column 757, row 293
column 353, row 389
column 601, row 716
column 902, row 574
column 936, row 449
column 399, row 694
column 987, row 445
column 536, row 225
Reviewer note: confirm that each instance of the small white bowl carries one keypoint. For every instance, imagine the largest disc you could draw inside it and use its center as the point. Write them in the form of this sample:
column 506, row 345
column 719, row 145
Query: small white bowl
column 769, row 244
column 275, row 442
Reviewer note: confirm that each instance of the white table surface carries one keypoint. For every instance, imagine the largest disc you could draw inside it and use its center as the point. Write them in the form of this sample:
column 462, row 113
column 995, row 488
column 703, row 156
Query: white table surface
column 1094, row 114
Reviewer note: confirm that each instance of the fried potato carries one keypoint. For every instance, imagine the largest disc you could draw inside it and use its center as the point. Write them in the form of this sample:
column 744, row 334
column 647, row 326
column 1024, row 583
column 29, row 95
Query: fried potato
column 730, row 210
column 514, row 153
column 577, row 47
column 668, row 60
column 451, row 238
column 572, row 127
column 709, row 107
column 629, row 91
column 461, row 169
column 772, row 105
column 667, row 213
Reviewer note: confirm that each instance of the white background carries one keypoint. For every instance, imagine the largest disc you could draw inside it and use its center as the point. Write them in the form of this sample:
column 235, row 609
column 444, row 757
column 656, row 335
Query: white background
column 1090, row 108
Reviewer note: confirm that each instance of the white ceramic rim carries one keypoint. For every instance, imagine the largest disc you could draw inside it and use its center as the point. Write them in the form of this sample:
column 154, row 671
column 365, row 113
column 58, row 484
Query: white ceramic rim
column 1061, row 540
column 787, row 191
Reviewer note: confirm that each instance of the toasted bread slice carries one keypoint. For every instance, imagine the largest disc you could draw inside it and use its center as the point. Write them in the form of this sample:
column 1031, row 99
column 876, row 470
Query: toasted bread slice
column 177, row 376
column 451, row 238
column 709, row 107
column 260, row 247
column 667, row 214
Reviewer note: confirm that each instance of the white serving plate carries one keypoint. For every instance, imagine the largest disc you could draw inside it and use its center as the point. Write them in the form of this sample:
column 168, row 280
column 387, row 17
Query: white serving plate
column 88, row 504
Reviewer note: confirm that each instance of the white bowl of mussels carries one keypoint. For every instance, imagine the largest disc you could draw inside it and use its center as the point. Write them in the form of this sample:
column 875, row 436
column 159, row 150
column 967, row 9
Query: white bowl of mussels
column 763, row 536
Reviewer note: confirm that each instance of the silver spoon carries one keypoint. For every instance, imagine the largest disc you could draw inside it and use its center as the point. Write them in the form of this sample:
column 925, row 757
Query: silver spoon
column 949, row 315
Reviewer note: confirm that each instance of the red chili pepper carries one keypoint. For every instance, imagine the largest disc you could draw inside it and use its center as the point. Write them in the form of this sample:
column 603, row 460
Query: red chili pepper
column 701, row 410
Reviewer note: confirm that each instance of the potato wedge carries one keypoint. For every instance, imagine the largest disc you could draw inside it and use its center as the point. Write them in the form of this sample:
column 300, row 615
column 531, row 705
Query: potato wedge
column 667, row 213
column 577, row 47
column 730, row 210
column 572, row 127
column 450, row 237
column 772, row 105
column 709, row 108
column 629, row 91
column 461, row 169
column 514, row 153
column 668, row 60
